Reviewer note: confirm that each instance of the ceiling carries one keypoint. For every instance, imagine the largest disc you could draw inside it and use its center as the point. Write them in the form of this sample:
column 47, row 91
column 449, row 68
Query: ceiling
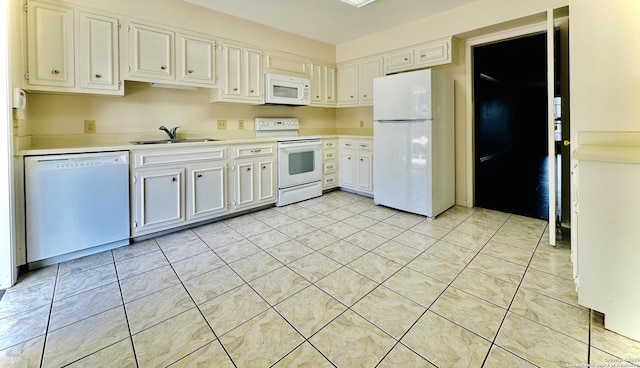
column 330, row 21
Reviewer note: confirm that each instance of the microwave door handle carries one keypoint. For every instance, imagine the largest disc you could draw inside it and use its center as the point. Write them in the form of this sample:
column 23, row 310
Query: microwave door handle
column 301, row 92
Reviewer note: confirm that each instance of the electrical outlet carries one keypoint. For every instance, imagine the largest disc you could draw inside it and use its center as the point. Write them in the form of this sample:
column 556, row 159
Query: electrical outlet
column 89, row 126
column 240, row 124
column 222, row 124
column 361, row 123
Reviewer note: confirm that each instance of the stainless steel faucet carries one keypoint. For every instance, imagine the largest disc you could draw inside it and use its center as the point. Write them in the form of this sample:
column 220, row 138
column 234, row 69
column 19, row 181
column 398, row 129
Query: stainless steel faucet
column 171, row 132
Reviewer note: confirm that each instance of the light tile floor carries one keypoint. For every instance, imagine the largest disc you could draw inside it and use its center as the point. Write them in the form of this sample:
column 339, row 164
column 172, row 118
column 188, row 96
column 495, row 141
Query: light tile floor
column 333, row 281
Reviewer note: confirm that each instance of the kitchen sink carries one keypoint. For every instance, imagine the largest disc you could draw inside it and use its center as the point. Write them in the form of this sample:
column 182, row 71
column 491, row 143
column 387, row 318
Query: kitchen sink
column 185, row 140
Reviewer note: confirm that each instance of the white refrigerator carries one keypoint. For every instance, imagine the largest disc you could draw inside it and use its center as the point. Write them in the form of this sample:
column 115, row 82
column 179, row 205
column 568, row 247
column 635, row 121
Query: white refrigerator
column 413, row 142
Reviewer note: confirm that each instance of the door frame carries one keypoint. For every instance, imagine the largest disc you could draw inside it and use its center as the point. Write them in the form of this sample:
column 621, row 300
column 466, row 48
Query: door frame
column 542, row 27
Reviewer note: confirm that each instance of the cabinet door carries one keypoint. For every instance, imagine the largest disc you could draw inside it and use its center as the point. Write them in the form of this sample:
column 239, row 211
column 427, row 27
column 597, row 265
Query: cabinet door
column 364, row 177
column 196, row 59
column 244, row 184
column 266, row 180
column 159, row 199
column 254, row 79
column 151, row 52
column 317, row 81
column 98, row 52
column 206, row 191
column 347, row 169
column 399, row 60
column 330, row 85
column 348, row 84
column 369, row 70
column 51, row 45
column 232, row 69
column 433, row 53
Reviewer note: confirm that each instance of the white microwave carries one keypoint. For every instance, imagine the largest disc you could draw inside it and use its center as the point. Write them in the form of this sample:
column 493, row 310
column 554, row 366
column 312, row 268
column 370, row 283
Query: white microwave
column 285, row 90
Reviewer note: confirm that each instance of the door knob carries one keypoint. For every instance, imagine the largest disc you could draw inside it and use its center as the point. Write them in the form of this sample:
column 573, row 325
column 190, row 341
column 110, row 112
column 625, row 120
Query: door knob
column 566, row 143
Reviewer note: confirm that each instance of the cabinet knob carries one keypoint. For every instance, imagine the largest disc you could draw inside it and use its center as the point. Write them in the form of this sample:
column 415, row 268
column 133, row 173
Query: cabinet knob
column 98, row 75
column 264, row 167
column 235, row 89
column 423, row 55
column 364, row 95
column 406, row 59
column 199, row 175
column 248, row 169
column 173, row 179
column 361, row 159
column 348, row 158
column 328, row 97
column 54, row 71
column 251, row 91
column 190, row 71
column 351, row 96
column 163, row 67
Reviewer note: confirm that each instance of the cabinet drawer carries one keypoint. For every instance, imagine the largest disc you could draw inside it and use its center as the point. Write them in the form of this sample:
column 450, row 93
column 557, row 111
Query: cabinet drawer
column 254, row 151
column 329, row 181
column 363, row 146
column 400, row 60
column 171, row 156
column 329, row 144
column 433, row 54
column 329, row 155
column 330, row 167
column 348, row 145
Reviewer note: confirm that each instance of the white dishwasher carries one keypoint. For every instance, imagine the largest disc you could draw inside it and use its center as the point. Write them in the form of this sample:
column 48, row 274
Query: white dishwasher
column 76, row 204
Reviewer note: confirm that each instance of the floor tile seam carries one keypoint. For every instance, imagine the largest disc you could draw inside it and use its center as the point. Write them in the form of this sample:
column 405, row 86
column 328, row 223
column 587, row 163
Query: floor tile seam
column 46, row 332
column 101, row 349
column 493, row 342
column 454, row 244
column 488, row 273
column 145, row 271
column 463, row 327
column 545, row 271
column 515, row 245
column 126, row 314
column 93, row 267
column 551, row 328
column 510, row 352
column 100, row 283
column 479, row 297
column 30, row 309
column 553, row 297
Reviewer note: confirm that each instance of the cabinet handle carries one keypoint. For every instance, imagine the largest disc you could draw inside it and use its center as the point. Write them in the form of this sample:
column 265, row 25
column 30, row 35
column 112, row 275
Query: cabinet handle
column 163, row 67
column 248, row 169
column 363, row 146
column 235, row 89
column 199, row 175
column 351, row 96
column 406, row 59
column 330, row 167
column 173, row 179
column 98, row 75
column 317, row 96
column 423, row 55
column 347, row 144
column 256, row 151
column 54, row 71
column 190, row 71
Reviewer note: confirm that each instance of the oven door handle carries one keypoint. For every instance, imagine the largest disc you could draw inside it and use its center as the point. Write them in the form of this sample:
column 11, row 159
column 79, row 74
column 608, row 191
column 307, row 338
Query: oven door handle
column 300, row 143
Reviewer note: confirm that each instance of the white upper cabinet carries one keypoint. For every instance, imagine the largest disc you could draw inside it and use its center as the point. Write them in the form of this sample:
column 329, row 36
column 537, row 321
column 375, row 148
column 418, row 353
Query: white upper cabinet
column 286, row 64
column 151, row 53
column 421, row 56
column 50, row 31
column 355, row 81
column 98, row 52
column 323, row 84
column 241, row 77
column 369, row 69
column 196, row 59
column 72, row 50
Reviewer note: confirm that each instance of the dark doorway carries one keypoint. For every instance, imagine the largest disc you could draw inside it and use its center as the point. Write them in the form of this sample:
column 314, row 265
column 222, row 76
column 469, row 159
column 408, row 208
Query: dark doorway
column 510, row 87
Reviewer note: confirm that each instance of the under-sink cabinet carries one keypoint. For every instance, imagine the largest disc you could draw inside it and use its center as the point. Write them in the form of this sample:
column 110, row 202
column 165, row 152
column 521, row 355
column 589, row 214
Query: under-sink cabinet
column 176, row 187
column 253, row 180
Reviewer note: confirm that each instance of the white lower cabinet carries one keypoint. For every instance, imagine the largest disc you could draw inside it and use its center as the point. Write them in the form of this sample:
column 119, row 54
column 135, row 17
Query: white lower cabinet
column 175, row 187
column 253, row 180
column 159, row 197
column 329, row 163
column 356, row 164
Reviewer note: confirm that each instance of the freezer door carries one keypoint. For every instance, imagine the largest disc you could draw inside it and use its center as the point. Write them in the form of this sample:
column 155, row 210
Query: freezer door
column 402, row 165
column 405, row 96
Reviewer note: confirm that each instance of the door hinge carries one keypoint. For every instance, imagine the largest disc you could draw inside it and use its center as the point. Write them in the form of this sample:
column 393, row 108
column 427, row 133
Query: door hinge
column 128, row 28
column 119, row 26
column 26, row 8
column 129, row 68
column 119, row 83
column 135, row 179
column 135, row 224
column 26, row 75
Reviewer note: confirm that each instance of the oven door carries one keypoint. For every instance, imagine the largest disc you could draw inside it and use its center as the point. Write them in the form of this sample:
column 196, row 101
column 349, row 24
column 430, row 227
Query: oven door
column 299, row 162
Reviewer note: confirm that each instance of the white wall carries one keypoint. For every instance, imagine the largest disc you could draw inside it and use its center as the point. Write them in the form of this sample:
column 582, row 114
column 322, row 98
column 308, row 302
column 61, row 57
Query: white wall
column 605, row 69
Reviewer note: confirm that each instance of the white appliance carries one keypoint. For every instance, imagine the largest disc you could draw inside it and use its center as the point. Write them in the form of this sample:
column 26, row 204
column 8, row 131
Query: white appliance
column 299, row 159
column 413, row 142
column 76, row 205
column 285, row 90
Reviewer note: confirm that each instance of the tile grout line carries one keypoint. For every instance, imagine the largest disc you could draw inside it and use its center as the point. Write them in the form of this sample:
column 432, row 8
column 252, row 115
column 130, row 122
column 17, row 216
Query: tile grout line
column 126, row 315
column 46, row 332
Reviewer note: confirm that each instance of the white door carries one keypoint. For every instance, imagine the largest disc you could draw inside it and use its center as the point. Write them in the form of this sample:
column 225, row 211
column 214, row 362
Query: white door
column 254, row 79
column 151, row 52
column 197, row 59
column 159, row 199
column 206, row 191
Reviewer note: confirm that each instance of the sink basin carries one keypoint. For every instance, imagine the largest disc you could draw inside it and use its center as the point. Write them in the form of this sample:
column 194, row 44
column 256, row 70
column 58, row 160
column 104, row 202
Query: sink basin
column 185, row 140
